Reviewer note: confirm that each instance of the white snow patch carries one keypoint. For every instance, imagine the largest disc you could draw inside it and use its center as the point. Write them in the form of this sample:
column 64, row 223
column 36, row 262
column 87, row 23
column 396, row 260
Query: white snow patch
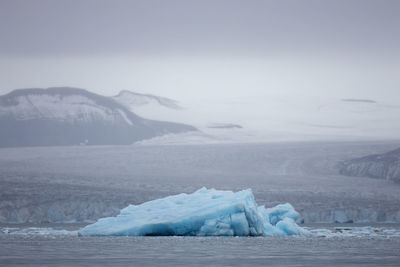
column 125, row 117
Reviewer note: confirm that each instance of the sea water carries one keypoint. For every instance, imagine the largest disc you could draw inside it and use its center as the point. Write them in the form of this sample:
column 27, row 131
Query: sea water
column 59, row 244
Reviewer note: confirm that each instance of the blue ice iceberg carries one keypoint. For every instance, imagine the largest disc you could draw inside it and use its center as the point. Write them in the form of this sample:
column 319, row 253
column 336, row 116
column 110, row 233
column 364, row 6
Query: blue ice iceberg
column 206, row 212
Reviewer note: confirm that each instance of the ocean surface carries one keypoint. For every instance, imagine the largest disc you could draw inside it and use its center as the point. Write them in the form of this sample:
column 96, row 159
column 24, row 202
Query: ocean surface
column 331, row 244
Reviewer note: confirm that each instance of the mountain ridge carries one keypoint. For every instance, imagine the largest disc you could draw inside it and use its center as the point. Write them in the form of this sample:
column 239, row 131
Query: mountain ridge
column 70, row 116
column 139, row 99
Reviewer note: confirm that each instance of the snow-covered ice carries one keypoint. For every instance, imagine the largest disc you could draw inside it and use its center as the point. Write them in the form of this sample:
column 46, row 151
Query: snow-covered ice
column 42, row 231
column 354, row 231
column 206, row 212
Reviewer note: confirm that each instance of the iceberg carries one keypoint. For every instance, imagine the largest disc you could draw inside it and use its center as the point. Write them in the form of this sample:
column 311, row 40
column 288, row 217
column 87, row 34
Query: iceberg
column 206, row 212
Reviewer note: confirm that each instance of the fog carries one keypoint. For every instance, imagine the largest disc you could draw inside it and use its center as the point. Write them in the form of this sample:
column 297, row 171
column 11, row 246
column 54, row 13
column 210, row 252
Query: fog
column 203, row 49
column 206, row 77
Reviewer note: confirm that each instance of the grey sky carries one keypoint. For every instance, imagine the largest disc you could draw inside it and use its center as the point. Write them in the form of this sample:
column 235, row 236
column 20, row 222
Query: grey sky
column 179, row 48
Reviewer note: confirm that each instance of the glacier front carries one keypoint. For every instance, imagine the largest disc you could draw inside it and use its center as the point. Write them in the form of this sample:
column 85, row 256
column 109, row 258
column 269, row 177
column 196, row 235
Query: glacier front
column 206, row 212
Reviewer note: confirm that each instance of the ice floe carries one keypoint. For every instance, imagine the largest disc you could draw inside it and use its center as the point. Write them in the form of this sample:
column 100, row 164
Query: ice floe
column 206, row 212
column 43, row 231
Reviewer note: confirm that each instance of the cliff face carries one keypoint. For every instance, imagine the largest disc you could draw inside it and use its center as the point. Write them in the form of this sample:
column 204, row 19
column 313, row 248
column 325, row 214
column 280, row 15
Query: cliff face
column 381, row 166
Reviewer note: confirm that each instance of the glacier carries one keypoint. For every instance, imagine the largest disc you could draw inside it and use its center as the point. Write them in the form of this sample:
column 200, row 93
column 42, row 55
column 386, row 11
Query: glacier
column 206, row 212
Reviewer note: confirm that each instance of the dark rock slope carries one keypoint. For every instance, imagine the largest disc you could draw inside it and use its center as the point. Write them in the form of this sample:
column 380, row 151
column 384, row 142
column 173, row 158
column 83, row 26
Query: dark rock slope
column 382, row 166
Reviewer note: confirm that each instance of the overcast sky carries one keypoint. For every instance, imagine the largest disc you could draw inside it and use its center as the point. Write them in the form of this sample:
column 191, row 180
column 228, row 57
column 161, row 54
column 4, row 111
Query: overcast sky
column 188, row 49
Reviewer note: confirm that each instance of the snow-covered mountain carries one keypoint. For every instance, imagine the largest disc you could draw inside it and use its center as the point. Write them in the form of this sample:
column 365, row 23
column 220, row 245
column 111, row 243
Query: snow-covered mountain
column 70, row 116
column 155, row 107
column 262, row 118
column 278, row 118
column 204, row 115
column 134, row 100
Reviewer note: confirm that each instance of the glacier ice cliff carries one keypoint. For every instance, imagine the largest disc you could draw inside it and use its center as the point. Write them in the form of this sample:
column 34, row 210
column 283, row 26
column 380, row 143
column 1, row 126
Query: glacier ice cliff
column 206, row 212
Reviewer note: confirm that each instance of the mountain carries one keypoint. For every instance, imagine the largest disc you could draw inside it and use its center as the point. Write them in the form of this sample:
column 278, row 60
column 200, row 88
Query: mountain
column 382, row 166
column 132, row 100
column 155, row 107
column 72, row 116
